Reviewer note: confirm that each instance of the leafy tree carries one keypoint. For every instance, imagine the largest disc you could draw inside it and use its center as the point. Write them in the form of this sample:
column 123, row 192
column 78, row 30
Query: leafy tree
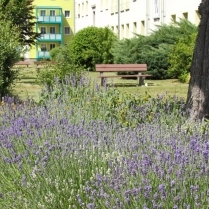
column 198, row 93
column 91, row 46
column 20, row 13
column 9, row 54
column 180, row 57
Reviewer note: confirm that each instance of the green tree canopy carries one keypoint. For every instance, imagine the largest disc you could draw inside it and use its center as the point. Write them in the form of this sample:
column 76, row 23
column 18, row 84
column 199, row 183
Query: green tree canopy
column 20, row 13
column 9, row 54
column 92, row 45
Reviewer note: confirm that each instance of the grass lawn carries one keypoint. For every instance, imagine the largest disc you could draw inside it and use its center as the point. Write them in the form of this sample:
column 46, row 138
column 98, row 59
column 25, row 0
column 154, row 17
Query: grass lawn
column 26, row 86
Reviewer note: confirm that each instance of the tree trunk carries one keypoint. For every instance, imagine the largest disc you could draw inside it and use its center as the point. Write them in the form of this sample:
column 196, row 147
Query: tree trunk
column 198, row 93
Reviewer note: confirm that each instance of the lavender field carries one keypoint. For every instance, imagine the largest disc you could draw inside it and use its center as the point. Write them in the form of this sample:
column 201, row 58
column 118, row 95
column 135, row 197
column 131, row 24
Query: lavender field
column 92, row 148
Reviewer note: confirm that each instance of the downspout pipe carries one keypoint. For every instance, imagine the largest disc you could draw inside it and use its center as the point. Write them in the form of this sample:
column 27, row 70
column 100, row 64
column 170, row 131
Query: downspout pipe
column 119, row 19
column 74, row 17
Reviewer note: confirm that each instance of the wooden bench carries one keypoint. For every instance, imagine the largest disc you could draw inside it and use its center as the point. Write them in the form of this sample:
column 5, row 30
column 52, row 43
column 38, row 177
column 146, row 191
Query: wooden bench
column 26, row 63
column 139, row 68
column 42, row 64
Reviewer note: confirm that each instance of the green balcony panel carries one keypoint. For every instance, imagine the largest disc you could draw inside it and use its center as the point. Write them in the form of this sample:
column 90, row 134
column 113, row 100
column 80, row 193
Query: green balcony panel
column 51, row 37
column 50, row 19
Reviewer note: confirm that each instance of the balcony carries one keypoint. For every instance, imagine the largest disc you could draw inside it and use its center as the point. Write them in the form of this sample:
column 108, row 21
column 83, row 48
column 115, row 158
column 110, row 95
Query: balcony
column 43, row 54
column 50, row 37
column 50, row 19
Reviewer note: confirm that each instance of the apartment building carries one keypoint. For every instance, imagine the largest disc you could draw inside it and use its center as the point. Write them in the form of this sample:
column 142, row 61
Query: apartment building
column 129, row 17
column 55, row 21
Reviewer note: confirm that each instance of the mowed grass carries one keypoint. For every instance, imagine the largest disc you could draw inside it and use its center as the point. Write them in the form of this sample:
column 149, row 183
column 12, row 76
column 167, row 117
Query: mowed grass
column 26, row 86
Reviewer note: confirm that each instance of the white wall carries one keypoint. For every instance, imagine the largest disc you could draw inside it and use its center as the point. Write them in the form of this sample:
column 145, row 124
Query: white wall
column 139, row 16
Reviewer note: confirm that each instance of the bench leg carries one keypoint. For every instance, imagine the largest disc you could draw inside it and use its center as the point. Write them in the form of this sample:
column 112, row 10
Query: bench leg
column 141, row 81
column 102, row 81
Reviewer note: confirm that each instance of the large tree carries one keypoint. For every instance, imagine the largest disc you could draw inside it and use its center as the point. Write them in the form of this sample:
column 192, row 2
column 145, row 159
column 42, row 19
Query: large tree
column 198, row 93
column 8, row 55
column 21, row 14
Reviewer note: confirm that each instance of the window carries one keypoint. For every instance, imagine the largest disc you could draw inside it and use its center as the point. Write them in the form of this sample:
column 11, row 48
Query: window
column 82, row 9
column 52, row 46
column 94, row 17
column 142, row 27
column 43, row 30
column 173, row 18
column 185, row 15
column 67, row 13
column 116, row 29
column 67, row 30
column 122, row 31
column 52, row 30
column 87, row 7
column 156, row 9
column 79, row 10
column 52, row 12
column 43, row 12
column 134, row 28
column 43, row 47
column 127, row 30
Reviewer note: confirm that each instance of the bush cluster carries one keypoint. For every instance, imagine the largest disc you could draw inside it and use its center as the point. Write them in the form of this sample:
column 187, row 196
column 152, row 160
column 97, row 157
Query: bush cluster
column 158, row 49
column 180, row 58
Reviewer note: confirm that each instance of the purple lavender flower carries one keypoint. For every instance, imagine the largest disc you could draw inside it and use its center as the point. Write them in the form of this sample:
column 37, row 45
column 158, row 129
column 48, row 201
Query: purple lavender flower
column 161, row 188
column 90, row 206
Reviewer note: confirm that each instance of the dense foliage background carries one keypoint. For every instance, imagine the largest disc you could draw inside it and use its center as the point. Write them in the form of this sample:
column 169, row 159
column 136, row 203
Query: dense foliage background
column 155, row 49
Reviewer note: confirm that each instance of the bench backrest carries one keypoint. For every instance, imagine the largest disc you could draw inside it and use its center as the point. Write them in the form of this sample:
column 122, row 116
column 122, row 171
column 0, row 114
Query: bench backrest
column 121, row 67
column 23, row 63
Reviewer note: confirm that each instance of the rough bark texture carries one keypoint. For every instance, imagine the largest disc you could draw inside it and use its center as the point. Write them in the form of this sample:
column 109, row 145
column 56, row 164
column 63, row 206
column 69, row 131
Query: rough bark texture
column 198, row 93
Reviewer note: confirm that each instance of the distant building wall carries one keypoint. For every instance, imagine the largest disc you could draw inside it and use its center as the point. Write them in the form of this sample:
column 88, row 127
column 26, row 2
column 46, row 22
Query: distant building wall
column 136, row 16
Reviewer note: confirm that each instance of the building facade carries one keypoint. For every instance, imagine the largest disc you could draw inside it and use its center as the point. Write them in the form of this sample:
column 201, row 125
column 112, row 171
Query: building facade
column 131, row 17
column 55, row 21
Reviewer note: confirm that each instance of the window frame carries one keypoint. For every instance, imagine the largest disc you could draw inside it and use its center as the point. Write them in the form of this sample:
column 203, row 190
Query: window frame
column 54, row 11
column 42, row 11
column 50, row 48
column 43, row 47
column 53, row 28
column 69, row 14
column 45, row 29
column 65, row 30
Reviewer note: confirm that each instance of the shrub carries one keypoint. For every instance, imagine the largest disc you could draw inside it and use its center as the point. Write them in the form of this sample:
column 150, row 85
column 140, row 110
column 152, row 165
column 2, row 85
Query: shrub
column 92, row 46
column 54, row 52
column 180, row 58
column 154, row 49
column 9, row 54
column 62, row 65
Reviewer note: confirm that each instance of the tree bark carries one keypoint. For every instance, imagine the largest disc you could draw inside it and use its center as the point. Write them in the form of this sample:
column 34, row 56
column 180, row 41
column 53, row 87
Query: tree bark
column 198, row 92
